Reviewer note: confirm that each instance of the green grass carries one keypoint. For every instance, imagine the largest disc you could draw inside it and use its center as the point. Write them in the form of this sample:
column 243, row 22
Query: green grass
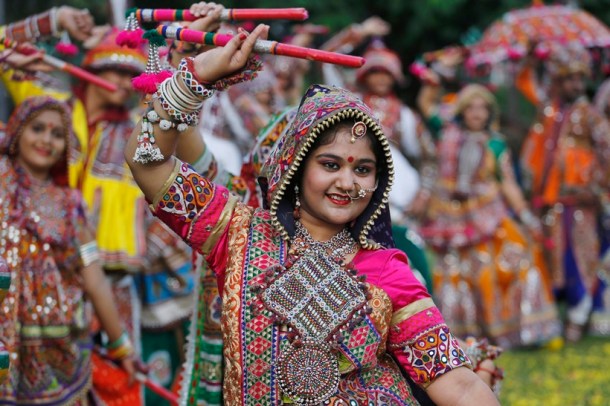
column 577, row 374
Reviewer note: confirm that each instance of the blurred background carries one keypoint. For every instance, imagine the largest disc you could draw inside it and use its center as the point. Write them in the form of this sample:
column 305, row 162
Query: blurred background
column 570, row 375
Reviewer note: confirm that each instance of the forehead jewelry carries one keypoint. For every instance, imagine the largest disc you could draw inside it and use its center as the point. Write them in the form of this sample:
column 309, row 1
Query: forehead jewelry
column 358, row 131
column 350, row 159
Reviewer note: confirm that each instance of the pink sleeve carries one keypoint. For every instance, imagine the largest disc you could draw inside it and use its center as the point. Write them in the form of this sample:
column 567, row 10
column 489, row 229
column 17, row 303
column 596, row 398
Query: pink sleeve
column 419, row 339
column 198, row 211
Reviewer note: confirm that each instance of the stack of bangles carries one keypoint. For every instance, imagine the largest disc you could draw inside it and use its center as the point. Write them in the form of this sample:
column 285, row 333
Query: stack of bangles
column 479, row 351
column 182, row 102
column 120, row 349
column 34, row 27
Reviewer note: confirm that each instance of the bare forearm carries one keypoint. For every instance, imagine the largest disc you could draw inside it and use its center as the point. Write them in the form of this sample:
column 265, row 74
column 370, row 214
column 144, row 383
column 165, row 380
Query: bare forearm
column 427, row 100
column 513, row 196
column 461, row 387
column 98, row 290
column 190, row 147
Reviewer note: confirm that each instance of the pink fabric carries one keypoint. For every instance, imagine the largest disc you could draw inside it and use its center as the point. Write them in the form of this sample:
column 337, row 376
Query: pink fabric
column 174, row 222
column 389, row 270
column 422, row 345
column 407, row 330
column 431, row 354
column 217, row 260
column 191, row 208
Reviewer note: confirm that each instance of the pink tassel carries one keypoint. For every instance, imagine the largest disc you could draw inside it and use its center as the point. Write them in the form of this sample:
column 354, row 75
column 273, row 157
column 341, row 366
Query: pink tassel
column 66, row 48
column 514, row 54
column 542, row 52
column 148, row 82
column 130, row 38
column 417, row 69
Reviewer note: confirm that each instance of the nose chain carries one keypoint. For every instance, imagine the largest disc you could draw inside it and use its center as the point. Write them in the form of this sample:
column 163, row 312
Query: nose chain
column 340, row 245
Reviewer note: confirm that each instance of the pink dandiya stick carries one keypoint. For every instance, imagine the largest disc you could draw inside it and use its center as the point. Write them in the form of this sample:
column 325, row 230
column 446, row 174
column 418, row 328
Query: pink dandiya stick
column 261, row 46
column 158, row 389
column 229, row 14
column 79, row 73
column 140, row 377
column 70, row 69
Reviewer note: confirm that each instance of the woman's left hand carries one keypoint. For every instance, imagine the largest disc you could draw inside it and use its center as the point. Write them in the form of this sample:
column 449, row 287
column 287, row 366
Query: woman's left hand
column 219, row 62
column 133, row 366
column 128, row 365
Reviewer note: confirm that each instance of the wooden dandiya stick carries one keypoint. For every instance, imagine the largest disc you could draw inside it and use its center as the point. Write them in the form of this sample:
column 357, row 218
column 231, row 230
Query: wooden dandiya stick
column 261, row 46
column 147, row 15
column 71, row 69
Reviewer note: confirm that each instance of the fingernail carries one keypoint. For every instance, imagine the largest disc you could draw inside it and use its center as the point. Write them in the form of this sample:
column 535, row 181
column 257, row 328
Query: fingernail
column 243, row 36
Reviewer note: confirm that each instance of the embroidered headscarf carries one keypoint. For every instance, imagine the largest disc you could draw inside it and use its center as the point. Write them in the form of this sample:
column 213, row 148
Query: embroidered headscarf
column 379, row 57
column 26, row 112
column 322, row 107
column 108, row 55
column 471, row 92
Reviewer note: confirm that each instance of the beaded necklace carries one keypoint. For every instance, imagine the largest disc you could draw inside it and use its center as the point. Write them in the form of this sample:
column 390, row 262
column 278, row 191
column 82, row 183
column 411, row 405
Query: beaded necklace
column 339, row 246
column 320, row 300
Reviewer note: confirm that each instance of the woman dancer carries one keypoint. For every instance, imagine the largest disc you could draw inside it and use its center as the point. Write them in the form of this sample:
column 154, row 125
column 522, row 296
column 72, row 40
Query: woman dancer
column 54, row 263
column 300, row 324
column 490, row 277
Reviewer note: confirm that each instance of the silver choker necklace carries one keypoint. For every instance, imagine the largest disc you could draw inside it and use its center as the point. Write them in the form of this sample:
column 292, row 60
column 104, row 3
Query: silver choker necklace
column 339, row 246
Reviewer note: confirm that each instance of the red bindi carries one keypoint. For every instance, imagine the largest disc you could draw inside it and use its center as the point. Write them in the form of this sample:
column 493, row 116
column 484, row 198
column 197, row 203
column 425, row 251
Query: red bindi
column 350, row 159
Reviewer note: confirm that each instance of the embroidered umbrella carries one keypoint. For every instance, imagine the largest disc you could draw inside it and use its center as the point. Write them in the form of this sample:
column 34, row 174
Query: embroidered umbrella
column 539, row 25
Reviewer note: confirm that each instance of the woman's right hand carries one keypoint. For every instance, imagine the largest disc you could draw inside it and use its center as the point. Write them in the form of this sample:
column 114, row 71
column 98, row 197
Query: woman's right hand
column 220, row 62
column 78, row 23
column 208, row 16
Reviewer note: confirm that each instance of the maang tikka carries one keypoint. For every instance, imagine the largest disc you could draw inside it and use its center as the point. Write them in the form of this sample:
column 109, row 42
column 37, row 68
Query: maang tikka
column 358, row 131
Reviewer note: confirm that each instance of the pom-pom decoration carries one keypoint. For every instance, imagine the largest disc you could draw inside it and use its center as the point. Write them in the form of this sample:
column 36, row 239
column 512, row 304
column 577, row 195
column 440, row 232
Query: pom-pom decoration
column 148, row 81
column 131, row 36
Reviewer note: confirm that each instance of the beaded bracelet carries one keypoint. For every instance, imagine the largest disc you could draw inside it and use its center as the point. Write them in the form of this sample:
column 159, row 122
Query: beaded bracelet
column 33, row 27
column 182, row 107
column 247, row 73
column 189, row 76
column 121, row 348
column 89, row 253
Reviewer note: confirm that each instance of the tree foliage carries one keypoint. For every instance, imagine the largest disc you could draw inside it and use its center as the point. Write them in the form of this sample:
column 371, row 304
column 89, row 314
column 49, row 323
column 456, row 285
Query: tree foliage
column 417, row 26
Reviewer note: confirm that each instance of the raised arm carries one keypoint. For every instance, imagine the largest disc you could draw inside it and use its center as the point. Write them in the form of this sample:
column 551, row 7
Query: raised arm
column 208, row 67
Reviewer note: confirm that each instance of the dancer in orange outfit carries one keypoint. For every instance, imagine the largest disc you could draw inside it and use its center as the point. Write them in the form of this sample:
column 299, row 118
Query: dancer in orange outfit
column 490, row 277
column 565, row 170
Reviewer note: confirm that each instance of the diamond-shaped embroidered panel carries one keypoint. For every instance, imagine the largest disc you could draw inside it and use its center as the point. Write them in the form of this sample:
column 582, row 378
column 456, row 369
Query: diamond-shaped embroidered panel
column 259, row 367
column 358, row 336
column 262, row 262
column 259, row 345
column 259, row 323
column 260, row 332
column 258, row 390
column 362, row 344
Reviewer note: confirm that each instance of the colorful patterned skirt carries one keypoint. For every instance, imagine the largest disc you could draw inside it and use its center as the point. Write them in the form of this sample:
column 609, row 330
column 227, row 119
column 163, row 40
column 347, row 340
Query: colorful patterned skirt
column 498, row 288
